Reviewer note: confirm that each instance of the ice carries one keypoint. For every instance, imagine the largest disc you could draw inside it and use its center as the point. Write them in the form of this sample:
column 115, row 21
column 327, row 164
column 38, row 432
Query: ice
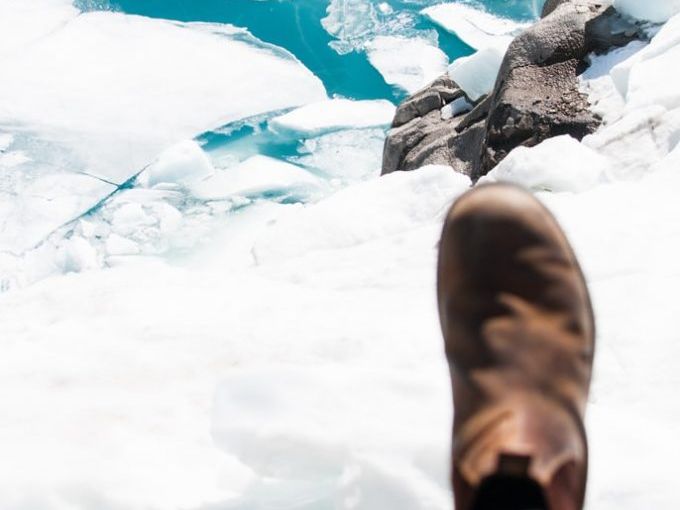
column 256, row 176
column 408, row 63
column 6, row 140
column 639, row 103
column 648, row 77
column 182, row 163
column 293, row 359
column 476, row 74
column 317, row 379
column 116, row 124
column 332, row 115
column 90, row 116
column 119, row 245
column 350, row 21
column 665, row 41
column 273, row 414
column 345, row 156
column 557, row 164
column 378, row 207
column 23, row 23
column 455, row 107
column 475, row 27
column 650, row 10
column 354, row 23
column 32, row 206
column 605, row 100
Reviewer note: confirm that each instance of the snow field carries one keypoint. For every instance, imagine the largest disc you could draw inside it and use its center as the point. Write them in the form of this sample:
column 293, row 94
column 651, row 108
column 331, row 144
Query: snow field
column 110, row 106
column 293, row 359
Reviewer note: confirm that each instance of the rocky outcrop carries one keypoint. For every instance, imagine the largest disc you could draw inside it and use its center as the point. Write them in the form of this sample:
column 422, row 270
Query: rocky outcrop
column 536, row 95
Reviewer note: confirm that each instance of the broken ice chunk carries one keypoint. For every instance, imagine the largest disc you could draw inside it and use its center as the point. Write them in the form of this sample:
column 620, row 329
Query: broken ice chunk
column 332, row 115
column 258, row 175
column 476, row 74
column 182, row 163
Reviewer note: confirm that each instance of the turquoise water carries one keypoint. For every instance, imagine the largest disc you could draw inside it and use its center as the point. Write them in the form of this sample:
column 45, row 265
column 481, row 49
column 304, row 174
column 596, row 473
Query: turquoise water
column 296, row 26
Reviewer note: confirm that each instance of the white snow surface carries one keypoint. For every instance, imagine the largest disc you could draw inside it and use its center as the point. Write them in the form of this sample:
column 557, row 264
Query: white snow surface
column 183, row 163
column 408, row 63
column 649, row 10
column 333, row 115
column 475, row 27
column 255, row 175
column 476, row 74
column 647, row 78
column 545, row 166
column 96, row 96
column 295, row 361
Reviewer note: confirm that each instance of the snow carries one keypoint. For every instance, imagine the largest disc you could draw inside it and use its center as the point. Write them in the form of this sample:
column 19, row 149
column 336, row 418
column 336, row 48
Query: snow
column 354, row 23
column 182, row 163
column 354, row 215
column 294, row 358
column 408, row 63
column 32, row 206
column 256, row 175
column 455, row 107
column 333, row 115
column 115, row 124
column 547, row 167
column 645, row 126
column 648, row 77
column 476, row 74
column 345, row 156
column 6, row 140
column 19, row 25
column 90, row 116
column 475, row 27
column 650, row 10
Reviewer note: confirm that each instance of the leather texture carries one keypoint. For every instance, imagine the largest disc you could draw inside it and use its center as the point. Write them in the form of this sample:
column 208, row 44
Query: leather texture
column 519, row 335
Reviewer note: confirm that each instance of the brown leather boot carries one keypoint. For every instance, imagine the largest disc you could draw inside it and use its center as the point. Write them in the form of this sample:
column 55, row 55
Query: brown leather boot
column 519, row 334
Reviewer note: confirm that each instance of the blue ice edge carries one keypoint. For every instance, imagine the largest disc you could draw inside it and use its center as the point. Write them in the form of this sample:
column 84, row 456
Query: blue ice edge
column 241, row 139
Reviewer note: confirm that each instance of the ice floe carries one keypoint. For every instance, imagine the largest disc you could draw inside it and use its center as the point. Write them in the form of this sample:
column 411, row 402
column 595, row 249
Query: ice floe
column 332, row 115
column 475, row 27
column 93, row 115
column 476, row 74
column 141, row 84
column 408, row 63
column 182, row 163
column 23, row 23
column 344, row 156
column 354, row 23
column 254, row 176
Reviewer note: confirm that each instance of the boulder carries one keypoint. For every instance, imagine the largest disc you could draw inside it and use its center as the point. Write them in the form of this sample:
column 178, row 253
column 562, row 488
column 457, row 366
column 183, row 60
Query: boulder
column 536, row 95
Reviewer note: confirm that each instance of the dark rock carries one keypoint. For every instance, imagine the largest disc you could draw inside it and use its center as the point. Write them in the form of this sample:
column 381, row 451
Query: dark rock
column 550, row 6
column 420, row 135
column 433, row 97
column 536, row 95
column 479, row 112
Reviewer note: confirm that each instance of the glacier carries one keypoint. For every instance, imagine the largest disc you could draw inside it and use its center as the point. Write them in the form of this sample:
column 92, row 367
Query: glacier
column 210, row 299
